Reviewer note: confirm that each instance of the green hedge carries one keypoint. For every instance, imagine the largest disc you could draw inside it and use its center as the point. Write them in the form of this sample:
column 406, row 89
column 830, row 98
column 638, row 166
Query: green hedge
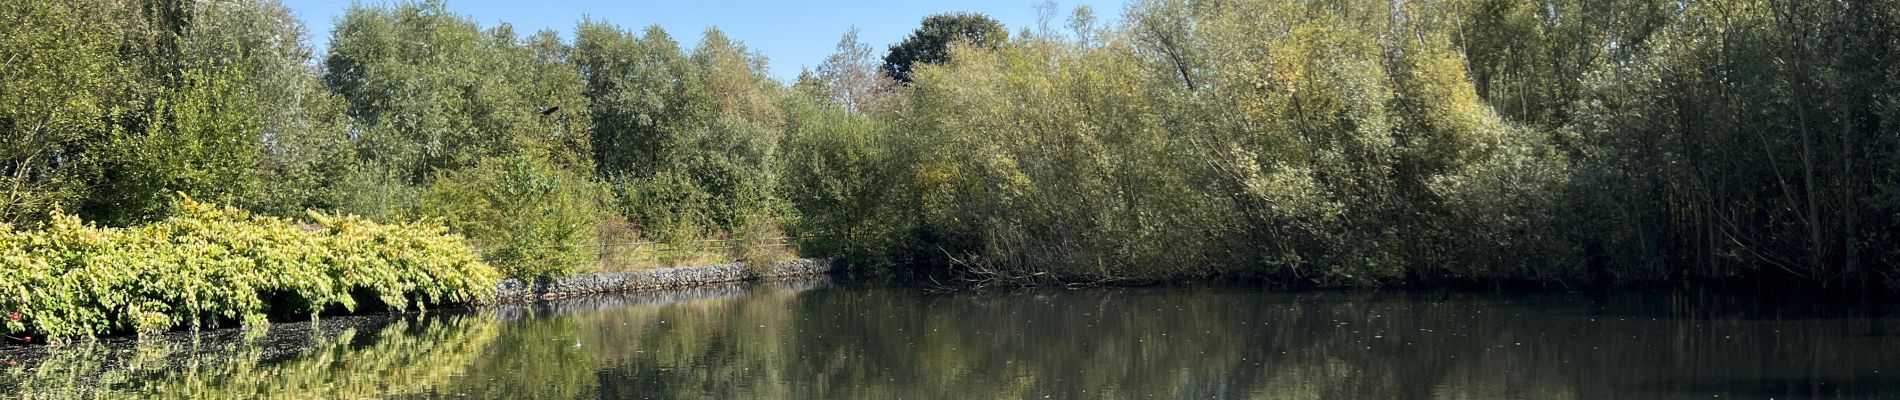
column 210, row 264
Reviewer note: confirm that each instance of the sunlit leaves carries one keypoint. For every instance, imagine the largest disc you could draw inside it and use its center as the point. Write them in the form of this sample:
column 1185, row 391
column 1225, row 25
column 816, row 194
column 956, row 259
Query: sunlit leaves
column 214, row 264
column 60, row 87
column 531, row 218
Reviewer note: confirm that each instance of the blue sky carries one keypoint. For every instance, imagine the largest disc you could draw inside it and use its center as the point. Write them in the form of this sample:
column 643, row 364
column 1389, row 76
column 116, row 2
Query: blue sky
column 791, row 34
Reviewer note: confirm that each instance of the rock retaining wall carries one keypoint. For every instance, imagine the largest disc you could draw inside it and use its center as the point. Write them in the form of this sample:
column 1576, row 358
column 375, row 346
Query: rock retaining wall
column 515, row 290
column 654, row 298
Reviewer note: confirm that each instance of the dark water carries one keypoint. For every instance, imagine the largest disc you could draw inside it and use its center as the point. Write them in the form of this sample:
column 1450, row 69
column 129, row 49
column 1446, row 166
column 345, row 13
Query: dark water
column 819, row 340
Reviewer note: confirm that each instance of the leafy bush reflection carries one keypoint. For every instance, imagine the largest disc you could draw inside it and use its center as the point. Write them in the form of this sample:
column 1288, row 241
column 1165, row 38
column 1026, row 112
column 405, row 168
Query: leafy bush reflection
column 791, row 342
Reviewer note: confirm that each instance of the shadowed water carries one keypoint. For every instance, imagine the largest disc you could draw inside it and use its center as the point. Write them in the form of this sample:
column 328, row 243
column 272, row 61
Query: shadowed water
column 813, row 339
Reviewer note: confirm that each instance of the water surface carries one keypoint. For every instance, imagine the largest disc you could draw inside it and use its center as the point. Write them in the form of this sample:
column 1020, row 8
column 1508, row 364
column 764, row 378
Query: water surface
column 814, row 339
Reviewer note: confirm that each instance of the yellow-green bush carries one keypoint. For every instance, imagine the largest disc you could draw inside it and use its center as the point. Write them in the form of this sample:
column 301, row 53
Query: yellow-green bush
column 533, row 217
column 210, row 264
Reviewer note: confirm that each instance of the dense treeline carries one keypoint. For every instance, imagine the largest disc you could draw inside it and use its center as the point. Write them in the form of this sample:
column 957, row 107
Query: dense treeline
column 1366, row 142
column 1341, row 142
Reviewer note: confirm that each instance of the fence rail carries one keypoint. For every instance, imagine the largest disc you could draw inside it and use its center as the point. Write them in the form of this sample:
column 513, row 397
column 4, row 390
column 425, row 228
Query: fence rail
column 638, row 255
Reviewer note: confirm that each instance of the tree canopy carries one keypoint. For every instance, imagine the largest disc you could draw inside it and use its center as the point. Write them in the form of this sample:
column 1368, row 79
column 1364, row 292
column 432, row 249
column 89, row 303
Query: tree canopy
column 1354, row 142
column 931, row 42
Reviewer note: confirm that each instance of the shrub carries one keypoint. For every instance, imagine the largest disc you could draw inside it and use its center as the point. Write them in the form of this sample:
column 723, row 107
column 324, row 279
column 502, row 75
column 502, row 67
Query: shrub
column 210, row 264
column 533, row 218
column 756, row 243
column 668, row 207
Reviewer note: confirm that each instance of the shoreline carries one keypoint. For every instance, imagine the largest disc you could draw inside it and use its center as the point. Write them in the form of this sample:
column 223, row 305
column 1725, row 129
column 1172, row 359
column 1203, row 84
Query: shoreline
column 91, row 368
column 514, row 291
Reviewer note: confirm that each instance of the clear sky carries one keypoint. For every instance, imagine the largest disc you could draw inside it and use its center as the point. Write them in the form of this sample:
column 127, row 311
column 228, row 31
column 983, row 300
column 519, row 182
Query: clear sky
column 792, row 34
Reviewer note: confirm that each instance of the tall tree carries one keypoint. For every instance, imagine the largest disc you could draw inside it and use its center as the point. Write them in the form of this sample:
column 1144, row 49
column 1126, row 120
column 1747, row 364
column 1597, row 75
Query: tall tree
column 852, row 78
column 642, row 91
column 234, row 99
column 60, row 89
column 430, row 91
column 930, row 43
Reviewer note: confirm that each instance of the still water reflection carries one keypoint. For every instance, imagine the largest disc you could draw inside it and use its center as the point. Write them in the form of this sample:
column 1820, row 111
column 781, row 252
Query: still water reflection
column 813, row 339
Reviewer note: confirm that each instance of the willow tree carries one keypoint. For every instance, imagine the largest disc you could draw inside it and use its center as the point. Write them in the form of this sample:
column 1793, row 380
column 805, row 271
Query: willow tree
column 1757, row 139
column 689, row 139
column 145, row 99
column 839, row 168
column 432, row 91
column 58, row 101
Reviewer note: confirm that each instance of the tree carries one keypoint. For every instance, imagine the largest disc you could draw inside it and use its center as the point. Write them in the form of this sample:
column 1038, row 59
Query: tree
column 930, row 43
column 151, row 98
column 642, row 91
column 233, row 100
column 58, row 100
column 201, row 140
column 299, row 123
column 431, row 91
column 689, row 140
column 852, row 78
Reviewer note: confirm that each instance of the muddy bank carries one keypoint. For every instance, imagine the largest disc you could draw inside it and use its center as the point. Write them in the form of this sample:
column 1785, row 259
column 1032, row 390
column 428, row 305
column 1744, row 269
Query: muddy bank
column 515, row 290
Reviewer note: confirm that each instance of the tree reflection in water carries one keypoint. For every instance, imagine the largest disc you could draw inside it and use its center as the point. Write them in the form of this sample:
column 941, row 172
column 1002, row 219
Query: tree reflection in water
column 815, row 340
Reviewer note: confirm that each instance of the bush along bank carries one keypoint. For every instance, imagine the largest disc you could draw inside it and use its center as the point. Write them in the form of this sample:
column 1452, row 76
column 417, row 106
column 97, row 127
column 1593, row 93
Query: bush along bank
column 208, row 266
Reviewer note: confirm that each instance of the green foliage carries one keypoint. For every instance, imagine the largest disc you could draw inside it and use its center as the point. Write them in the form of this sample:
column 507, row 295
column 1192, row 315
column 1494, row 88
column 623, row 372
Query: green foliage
column 139, row 100
column 260, row 51
column 1353, row 142
column 56, row 101
column 1255, row 138
column 415, row 77
column 839, row 176
column 531, row 217
column 1049, row 160
column 201, row 141
column 1744, row 140
column 690, row 140
column 931, row 42
column 754, row 243
column 668, row 206
column 212, row 264
column 431, row 91
column 643, row 90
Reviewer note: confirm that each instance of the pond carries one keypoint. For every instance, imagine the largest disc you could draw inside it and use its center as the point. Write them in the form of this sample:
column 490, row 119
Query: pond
column 820, row 339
